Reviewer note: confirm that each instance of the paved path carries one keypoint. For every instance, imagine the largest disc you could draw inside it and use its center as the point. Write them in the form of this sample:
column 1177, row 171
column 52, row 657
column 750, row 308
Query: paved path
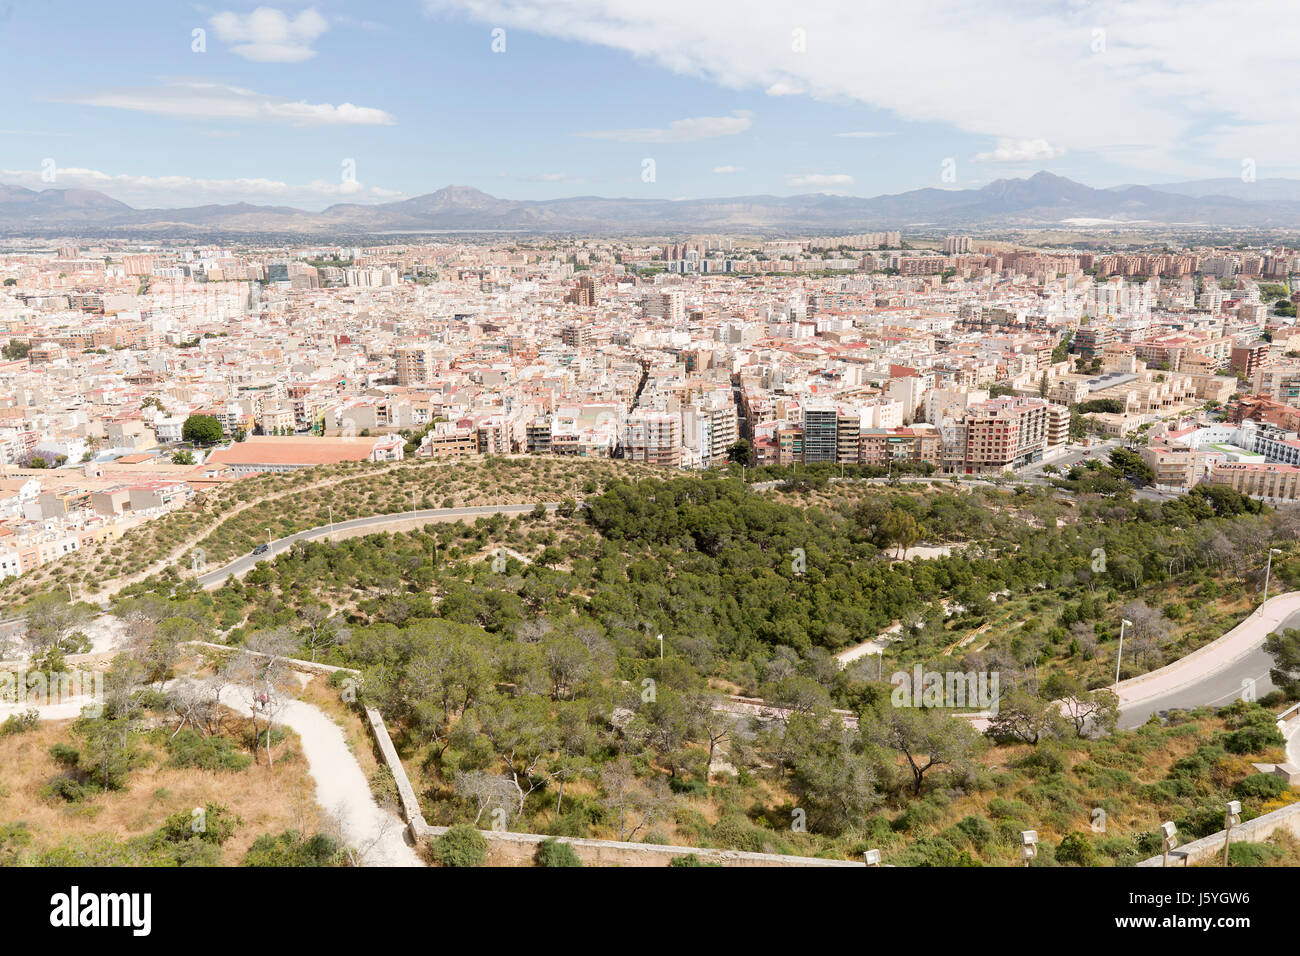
column 241, row 566
column 341, row 787
column 1214, row 674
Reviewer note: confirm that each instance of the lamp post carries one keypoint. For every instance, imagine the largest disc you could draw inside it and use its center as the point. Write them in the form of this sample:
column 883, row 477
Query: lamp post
column 1230, row 820
column 1268, row 571
column 268, row 537
column 1169, row 840
column 331, row 508
column 1028, row 845
column 1124, row 622
column 661, row 647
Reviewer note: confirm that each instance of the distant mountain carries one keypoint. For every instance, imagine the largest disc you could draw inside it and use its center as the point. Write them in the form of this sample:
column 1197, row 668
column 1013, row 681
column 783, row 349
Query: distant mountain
column 1042, row 200
column 1262, row 190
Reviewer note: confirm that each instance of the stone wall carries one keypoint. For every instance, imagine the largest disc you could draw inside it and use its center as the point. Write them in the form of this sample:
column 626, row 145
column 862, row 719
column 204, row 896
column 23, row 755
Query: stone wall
column 1287, row 820
column 520, row 849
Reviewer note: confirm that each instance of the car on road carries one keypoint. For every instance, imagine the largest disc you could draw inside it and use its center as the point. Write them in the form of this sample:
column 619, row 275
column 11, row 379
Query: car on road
column 262, row 549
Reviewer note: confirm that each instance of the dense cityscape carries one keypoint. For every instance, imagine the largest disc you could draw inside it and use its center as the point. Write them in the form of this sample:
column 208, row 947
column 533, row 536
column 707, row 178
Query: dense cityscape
column 971, row 358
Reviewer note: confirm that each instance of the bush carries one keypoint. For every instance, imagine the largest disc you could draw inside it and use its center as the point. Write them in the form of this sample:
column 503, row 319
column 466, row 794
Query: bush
column 20, row 723
column 215, row 825
column 1260, row 786
column 66, row 788
column 65, row 755
column 978, row 830
column 734, row 832
column 1252, row 854
column 1076, row 848
column 189, row 749
column 554, row 852
column 461, row 845
column 690, row 859
column 934, row 851
column 290, row 849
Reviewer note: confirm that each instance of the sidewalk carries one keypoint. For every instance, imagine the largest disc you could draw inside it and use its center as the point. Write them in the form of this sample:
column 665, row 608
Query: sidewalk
column 1204, row 662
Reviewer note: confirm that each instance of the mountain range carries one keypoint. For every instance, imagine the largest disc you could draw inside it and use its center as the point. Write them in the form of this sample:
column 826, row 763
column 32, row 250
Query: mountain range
column 1041, row 200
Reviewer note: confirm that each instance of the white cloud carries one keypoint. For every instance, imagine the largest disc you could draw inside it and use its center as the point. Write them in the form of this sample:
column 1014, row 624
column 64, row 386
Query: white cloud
column 171, row 191
column 680, row 131
column 818, row 180
column 1168, row 89
column 727, row 170
column 268, row 35
column 1021, row 151
column 863, row 134
column 203, row 101
column 547, row 178
column 783, row 89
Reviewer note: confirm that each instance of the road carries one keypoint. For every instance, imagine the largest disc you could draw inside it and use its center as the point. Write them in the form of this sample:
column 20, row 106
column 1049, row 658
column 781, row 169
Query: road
column 242, row 565
column 1215, row 675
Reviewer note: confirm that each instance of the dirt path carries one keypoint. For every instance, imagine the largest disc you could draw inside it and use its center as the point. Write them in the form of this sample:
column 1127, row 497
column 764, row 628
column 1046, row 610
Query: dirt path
column 341, row 787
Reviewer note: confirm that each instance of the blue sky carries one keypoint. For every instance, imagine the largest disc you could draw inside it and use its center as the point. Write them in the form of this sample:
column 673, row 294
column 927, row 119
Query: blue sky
column 726, row 97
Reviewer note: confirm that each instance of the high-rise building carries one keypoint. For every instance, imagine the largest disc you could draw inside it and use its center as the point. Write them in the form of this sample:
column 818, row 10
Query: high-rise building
column 669, row 305
column 653, row 437
column 414, row 364
column 1009, row 433
column 820, row 433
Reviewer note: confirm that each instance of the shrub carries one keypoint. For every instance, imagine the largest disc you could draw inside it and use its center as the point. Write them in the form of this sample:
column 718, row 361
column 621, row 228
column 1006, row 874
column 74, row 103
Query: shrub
column 65, row 788
column 978, row 830
column 189, row 749
column 20, row 723
column 290, row 849
column 1260, row 786
column 461, row 845
column 555, row 852
column 934, row 851
column 65, row 755
column 1253, row 854
column 689, row 859
column 737, row 833
column 1076, row 848
column 215, row 825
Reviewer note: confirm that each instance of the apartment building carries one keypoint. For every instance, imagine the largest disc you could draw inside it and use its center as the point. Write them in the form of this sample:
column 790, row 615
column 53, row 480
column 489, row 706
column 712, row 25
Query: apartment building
column 1008, row 433
column 820, row 433
column 414, row 364
column 654, row 438
column 1258, row 480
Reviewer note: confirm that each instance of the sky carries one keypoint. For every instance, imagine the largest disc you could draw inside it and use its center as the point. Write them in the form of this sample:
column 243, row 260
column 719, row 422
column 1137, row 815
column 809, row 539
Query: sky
column 165, row 103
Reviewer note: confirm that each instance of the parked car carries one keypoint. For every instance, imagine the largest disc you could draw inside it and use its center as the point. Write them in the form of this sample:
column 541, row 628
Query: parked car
column 262, row 549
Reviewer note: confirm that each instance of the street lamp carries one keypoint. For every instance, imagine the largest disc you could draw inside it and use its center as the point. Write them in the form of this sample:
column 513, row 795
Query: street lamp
column 661, row 647
column 268, row 537
column 331, row 508
column 880, row 663
column 1028, row 845
column 1120, row 658
column 1230, row 820
column 1268, row 572
column 1169, row 840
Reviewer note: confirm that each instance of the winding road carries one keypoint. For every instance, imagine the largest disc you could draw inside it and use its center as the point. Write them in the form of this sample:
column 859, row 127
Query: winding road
column 1216, row 674
column 241, row 566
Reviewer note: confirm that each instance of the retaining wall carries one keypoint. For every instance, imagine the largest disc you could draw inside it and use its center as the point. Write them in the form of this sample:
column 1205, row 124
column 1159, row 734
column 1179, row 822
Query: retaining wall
column 1287, row 820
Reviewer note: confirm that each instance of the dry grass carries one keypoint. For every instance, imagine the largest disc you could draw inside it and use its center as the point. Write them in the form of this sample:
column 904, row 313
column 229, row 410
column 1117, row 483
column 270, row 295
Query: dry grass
column 267, row 800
